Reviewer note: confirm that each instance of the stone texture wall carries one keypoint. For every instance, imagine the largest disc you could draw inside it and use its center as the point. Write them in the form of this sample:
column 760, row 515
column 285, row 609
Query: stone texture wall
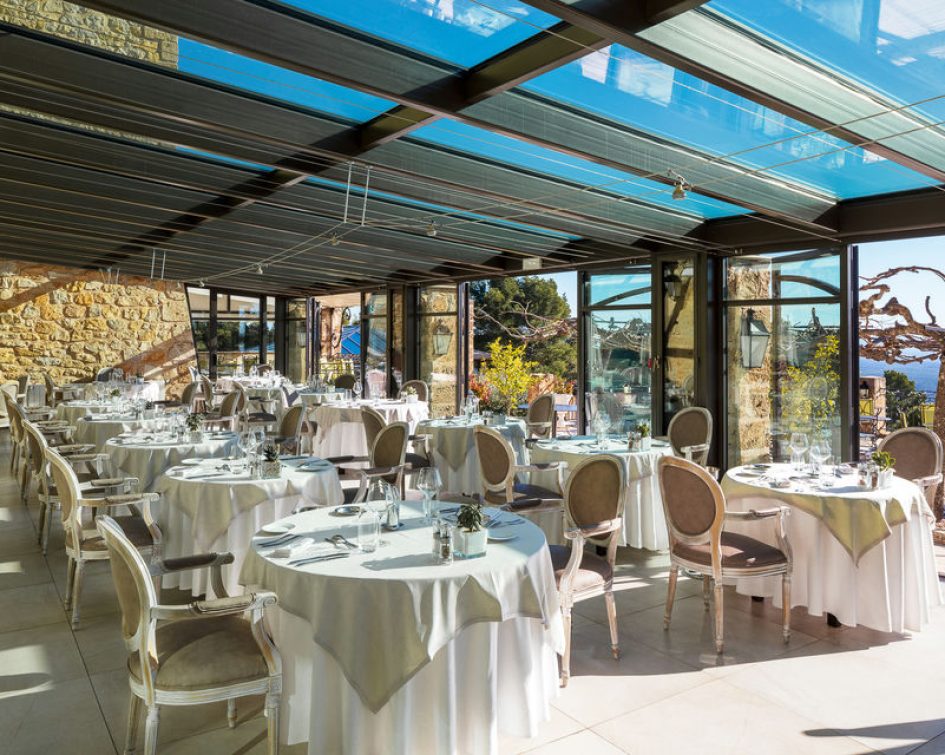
column 70, row 323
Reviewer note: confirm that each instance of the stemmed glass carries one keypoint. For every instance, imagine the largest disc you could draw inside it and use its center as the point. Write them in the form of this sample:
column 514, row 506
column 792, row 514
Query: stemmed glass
column 799, row 445
column 247, row 443
column 429, row 483
column 819, row 453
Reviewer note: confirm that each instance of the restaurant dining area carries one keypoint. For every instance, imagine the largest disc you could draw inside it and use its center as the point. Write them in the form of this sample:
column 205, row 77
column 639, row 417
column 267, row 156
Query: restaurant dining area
column 472, row 377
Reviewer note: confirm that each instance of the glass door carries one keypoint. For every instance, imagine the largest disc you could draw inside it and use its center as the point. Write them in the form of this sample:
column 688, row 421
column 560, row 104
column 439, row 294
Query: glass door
column 677, row 365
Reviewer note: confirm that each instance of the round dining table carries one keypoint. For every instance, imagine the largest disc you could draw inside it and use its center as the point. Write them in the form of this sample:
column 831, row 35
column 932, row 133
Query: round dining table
column 73, row 411
column 341, row 432
column 452, row 444
column 392, row 652
column 216, row 506
column 147, row 457
column 644, row 524
column 97, row 429
column 864, row 556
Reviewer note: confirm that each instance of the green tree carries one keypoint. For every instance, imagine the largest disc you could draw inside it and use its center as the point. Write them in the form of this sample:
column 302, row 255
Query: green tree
column 528, row 311
column 902, row 398
column 811, row 392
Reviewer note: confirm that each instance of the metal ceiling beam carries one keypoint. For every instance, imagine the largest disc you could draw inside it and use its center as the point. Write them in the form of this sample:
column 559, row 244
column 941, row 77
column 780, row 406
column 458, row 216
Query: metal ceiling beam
column 307, row 44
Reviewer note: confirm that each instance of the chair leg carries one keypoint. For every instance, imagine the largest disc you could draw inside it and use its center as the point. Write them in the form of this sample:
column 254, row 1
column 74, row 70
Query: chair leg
column 786, row 606
column 706, row 590
column 566, row 658
column 670, row 595
column 231, row 712
column 272, row 723
column 70, row 582
column 76, row 592
column 612, row 619
column 41, row 525
column 48, row 532
column 134, row 716
column 151, row 730
column 719, row 619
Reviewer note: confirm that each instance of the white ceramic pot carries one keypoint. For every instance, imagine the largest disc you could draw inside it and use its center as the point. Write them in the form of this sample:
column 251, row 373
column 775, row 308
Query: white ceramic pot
column 885, row 478
column 498, row 420
column 471, row 544
column 411, row 398
column 645, row 443
column 271, row 470
column 196, row 436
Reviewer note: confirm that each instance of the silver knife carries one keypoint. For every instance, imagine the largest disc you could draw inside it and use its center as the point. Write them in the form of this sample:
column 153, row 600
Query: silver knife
column 312, row 559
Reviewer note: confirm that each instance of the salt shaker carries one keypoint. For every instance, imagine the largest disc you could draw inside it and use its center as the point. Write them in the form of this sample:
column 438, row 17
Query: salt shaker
column 446, row 543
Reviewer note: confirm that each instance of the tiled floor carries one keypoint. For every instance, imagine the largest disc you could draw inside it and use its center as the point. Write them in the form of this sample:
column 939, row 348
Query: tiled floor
column 828, row 691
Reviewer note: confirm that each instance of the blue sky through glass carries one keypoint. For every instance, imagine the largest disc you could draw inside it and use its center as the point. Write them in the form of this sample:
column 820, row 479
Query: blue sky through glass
column 458, row 31
column 521, row 154
column 631, row 88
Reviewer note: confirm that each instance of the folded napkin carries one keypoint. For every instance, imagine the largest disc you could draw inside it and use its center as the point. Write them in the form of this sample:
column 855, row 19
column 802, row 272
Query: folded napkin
column 306, row 548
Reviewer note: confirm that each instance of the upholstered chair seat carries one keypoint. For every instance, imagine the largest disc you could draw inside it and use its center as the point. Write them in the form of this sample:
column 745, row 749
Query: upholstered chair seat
column 738, row 551
column 594, row 573
column 498, row 474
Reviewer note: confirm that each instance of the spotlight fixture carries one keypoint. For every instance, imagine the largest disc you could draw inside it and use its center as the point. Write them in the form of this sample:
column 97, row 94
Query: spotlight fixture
column 200, row 284
column 259, row 269
column 680, row 185
column 333, row 239
column 432, row 230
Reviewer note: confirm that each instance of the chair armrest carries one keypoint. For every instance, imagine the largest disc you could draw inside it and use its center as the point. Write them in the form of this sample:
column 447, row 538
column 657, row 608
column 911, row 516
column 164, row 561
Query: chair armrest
column 372, row 472
column 593, row 530
column 202, row 609
column 755, row 514
column 83, row 457
column 548, row 466
column 696, row 449
column 113, row 482
column 186, row 563
column 118, row 500
column 928, row 481
column 75, row 448
column 336, row 460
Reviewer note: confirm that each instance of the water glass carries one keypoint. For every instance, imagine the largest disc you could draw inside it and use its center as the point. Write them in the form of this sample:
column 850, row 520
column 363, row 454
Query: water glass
column 428, row 483
column 798, row 446
column 369, row 529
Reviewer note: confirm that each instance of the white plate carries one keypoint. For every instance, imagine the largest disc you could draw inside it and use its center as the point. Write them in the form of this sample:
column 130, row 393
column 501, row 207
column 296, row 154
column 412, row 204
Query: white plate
column 192, row 462
column 277, row 528
column 501, row 537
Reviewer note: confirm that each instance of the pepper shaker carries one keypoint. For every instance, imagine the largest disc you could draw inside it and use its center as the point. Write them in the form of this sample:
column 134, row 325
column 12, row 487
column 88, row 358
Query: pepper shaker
column 446, row 543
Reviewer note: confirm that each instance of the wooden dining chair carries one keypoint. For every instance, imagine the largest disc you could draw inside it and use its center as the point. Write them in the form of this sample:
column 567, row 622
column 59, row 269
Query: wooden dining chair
column 918, row 455
column 540, row 419
column 385, row 461
column 231, row 408
column 374, row 422
column 498, row 474
column 594, row 498
column 690, row 434
column 420, row 386
column 694, row 507
column 200, row 652
column 289, row 434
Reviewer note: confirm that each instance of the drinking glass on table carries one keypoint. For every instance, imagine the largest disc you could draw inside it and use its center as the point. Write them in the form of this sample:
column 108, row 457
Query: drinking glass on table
column 819, row 453
column 429, row 484
column 247, row 443
column 798, row 446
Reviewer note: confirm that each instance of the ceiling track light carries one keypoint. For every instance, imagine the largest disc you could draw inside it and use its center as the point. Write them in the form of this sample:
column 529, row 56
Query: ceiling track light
column 200, row 284
column 333, row 239
column 680, row 185
column 259, row 269
column 432, row 230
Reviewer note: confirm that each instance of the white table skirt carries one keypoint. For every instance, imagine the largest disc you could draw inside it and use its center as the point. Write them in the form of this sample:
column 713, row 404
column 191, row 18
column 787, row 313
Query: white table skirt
column 449, row 441
column 892, row 589
column 341, row 432
column 644, row 524
column 100, row 431
column 149, row 461
column 491, row 678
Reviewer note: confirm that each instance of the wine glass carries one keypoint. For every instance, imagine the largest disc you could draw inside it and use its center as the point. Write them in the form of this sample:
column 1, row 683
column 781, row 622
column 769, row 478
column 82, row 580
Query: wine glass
column 429, row 483
column 247, row 443
column 819, row 453
column 799, row 445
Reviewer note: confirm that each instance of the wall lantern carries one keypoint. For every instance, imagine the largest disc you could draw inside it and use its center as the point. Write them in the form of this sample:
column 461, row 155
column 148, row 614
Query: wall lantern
column 754, row 341
column 442, row 337
column 301, row 338
column 674, row 286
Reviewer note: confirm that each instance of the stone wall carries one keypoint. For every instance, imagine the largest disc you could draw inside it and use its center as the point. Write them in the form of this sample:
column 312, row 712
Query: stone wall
column 70, row 323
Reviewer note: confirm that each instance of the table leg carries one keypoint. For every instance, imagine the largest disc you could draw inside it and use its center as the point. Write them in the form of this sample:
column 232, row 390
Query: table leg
column 832, row 621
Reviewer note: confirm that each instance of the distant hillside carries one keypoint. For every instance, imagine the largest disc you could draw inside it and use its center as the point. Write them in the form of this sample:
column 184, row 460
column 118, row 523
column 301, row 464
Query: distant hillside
column 924, row 374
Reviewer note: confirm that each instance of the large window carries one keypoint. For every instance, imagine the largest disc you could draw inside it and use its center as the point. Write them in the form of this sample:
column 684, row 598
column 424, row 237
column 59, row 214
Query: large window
column 439, row 345
column 374, row 335
column 783, row 345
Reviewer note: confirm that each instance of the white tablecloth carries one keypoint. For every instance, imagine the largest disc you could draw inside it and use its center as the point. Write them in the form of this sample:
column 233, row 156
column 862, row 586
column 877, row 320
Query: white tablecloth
column 96, row 429
column 73, row 411
column 390, row 653
column 316, row 398
column 453, row 445
column 644, row 524
column 222, row 513
column 149, row 460
column 341, row 432
column 890, row 585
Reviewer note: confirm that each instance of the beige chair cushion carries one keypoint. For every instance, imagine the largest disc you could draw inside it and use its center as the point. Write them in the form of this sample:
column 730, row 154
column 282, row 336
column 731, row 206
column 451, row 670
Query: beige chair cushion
column 593, row 572
column 738, row 552
column 524, row 490
column 204, row 653
column 132, row 525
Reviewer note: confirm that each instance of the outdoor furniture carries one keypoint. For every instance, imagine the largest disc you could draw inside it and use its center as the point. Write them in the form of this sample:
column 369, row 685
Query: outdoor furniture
column 498, row 476
column 593, row 511
column 696, row 515
column 918, row 455
column 540, row 419
column 340, row 426
column 420, row 386
column 201, row 652
column 385, row 462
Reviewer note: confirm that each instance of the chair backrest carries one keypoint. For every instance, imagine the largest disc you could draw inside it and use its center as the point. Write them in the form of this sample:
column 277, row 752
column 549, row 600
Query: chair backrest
column 693, row 504
column 50, row 389
column 691, row 426
column 206, row 389
column 37, row 445
column 189, row 395
column 373, row 422
column 263, row 369
column 917, row 451
column 103, row 375
column 496, row 458
column 230, row 406
column 291, row 424
column 67, row 485
column 390, row 448
column 346, row 381
column 22, row 382
column 289, row 397
column 595, row 492
column 17, row 418
column 541, row 416
column 420, row 386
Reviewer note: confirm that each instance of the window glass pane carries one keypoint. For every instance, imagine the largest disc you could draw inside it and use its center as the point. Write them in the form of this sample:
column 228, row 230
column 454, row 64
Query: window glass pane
column 679, row 293
column 397, row 340
column 375, row 304
column 783, row 276
column 785, row 384
column 621, row 289
column 199, row 300
column 439, row 342
column 375, row 365
column 618, row 369
column 464, row 32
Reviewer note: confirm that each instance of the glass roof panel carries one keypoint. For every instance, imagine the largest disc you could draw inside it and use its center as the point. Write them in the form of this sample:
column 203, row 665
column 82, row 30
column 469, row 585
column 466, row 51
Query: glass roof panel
column 631, row 88
column 280, row 83
column 895, row 47
column 520, row 154
column 464, row 32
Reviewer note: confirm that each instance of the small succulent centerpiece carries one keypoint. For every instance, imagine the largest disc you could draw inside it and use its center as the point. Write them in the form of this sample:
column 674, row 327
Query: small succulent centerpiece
column 410, row 394
column 884, row 465
column 471, row 534
column 271, row 466
column 194, row 422
column 644, row 429
column 115, row 393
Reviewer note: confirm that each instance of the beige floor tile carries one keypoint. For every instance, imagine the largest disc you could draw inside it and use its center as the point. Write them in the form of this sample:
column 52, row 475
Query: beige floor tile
column 18, row 539
column 933, row 747
column 718, row 719
column 15, row 516
column 583, row 743
column 23, row 570
column 36, row 658
column 30, row 606
column 557, row 726
column 63, row 718
column 101, row 644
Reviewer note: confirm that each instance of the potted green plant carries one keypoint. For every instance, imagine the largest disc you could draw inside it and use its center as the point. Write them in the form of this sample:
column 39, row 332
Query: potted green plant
column 884, row 464
column 271, row 466
column 471, row 534
column 410, row 394
column 194, row 423
column 644, row 429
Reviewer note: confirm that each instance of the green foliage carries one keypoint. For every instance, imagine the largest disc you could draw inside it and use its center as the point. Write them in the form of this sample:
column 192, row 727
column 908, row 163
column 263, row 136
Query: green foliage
column 505, row 382
column 470, row 517
column 902, row 398
column 499, row 304
column 883, row 460
column 270, row 452
column 193, row 421
column 810, row 393
column 644, row 429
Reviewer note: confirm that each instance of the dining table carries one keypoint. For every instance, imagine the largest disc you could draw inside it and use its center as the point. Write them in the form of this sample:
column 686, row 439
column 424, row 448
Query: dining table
column 864, row 556
column 392, row 652
column 147, row 456
column 452, row 445
column 215, row 505
column 72, row 411
column 97, row 429
column 341, row 432
column 644, row 523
